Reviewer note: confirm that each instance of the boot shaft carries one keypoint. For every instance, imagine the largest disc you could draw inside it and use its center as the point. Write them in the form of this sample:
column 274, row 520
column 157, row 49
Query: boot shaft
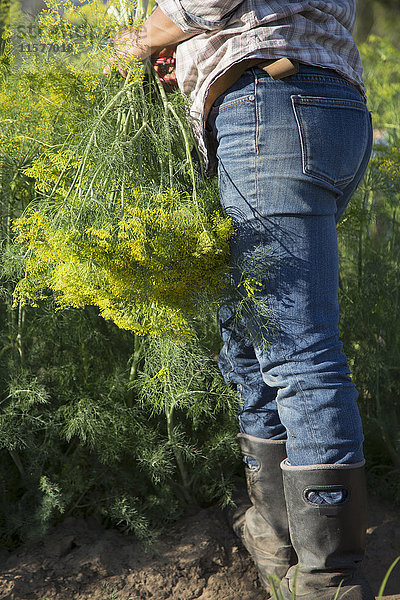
column 264, row 528
column 327, row 536
column 329, row 539
column 265, row 483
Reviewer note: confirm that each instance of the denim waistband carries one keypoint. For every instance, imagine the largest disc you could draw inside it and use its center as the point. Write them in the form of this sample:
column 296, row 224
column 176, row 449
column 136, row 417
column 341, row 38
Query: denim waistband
column 311, row 73
column 307, row 69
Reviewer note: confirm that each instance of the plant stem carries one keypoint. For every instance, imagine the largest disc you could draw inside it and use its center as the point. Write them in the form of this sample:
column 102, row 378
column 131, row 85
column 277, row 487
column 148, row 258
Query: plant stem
column 169, row 413
column 166, row 124
column 103, row 113
column 15, row 456
column 20, row 326
column 187, row 148
column 136, row 356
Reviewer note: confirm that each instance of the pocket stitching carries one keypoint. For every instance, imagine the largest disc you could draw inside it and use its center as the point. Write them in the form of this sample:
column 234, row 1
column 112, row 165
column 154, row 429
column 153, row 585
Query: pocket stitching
column 249, row 98
column 326, row 101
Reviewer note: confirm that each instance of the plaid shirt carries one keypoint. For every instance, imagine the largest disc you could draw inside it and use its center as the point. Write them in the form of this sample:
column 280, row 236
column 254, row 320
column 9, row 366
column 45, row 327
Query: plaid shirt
column 315, row 32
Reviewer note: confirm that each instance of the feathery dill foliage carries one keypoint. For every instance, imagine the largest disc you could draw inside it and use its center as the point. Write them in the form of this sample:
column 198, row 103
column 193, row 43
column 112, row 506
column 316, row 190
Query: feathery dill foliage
column 172, row 385
column 103, row 212
column 120, row 220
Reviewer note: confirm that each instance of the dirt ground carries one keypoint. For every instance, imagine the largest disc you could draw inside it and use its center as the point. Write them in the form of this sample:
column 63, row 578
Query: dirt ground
column 201, row 559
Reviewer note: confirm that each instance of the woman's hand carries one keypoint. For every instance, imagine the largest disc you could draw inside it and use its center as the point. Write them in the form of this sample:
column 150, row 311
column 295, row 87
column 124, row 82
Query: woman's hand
column 157, row 34
column 126, row 49
column 164, row 65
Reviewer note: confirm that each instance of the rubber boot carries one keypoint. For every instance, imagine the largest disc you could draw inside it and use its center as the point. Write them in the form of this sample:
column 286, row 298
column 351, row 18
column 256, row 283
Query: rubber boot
column 329, row 539
column 264, row 528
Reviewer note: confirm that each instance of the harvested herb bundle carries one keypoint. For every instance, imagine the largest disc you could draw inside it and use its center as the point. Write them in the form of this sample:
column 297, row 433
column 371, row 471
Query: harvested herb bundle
column 121, row 220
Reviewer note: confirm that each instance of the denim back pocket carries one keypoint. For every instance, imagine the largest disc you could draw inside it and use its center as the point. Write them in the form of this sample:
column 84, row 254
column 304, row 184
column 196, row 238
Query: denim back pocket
column 333, row 135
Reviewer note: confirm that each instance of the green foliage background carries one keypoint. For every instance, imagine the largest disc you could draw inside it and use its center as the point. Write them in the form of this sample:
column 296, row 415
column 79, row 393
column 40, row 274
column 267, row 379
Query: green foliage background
column 369, row 241
column 135, row 430
column 95, row 419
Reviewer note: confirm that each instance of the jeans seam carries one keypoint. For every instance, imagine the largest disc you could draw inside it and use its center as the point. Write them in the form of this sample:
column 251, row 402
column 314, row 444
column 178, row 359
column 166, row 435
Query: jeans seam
column 257, row 112
column 302, row 146
column 309, row 420
column 232, row 368
column 257, row 150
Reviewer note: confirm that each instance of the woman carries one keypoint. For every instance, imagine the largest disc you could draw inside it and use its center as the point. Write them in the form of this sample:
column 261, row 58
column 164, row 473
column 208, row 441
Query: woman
column 278, row 99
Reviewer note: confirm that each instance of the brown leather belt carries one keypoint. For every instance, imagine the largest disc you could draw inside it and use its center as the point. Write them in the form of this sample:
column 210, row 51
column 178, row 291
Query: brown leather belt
column 276, row 68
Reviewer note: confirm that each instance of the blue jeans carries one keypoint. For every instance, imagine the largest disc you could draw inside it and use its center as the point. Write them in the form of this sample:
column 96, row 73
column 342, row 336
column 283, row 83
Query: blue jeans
column 290, row 155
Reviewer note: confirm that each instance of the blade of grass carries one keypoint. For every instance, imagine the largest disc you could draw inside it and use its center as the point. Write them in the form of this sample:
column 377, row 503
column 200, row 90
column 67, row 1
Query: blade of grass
column 276, row 592
column 385, row 579
column 338, row 590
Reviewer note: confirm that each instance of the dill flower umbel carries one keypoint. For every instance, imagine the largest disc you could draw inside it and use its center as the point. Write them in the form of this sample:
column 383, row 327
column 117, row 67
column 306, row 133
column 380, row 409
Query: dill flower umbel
column 143, row 269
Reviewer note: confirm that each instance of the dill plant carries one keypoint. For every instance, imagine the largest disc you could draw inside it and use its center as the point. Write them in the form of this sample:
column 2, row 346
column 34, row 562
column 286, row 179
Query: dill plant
column 121, row 220
column 103, row 212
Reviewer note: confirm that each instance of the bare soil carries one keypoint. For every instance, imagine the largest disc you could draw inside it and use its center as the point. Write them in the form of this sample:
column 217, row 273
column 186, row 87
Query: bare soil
column 200, row 559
